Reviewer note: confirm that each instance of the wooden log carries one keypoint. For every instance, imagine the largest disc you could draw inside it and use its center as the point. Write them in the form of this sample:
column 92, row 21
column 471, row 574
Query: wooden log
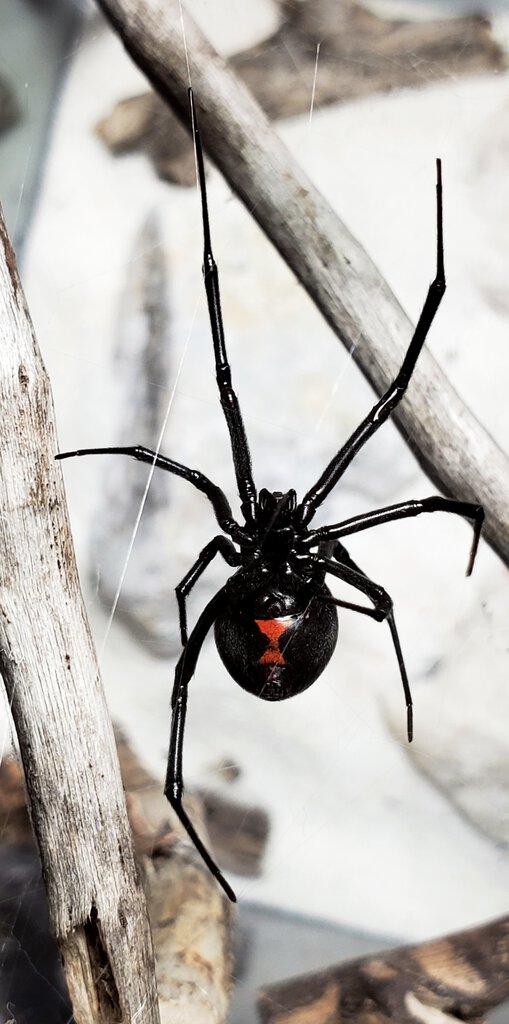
column 453, row 448
column 192, row 918
column 460, row 977
column 47, row 660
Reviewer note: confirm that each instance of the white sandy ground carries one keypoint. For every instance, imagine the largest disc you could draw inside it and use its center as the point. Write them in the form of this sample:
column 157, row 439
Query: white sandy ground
column 358, row 834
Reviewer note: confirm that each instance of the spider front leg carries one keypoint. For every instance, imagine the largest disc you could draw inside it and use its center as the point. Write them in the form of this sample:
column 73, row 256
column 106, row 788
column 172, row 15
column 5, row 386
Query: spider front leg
column 403, row 510
column 396, row 390
column 218, row 545
column 215, row 495
column 227, row 396
column 174, row 785
column 344, row 568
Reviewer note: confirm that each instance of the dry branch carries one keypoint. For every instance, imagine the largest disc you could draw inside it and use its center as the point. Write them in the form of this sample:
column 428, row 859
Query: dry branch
column 360, row 53
column 192, row 921
column 451, row 445
column 75, row 797
column 460, row 977
column 191, row 917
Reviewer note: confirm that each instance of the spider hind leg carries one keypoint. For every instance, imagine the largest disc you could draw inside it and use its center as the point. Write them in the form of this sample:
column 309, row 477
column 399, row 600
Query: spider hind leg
column 174, row 785
column 344, row 568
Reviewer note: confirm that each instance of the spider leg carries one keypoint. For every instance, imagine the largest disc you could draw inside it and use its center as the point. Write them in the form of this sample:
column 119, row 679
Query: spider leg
column 228, row 398
column 218, row 545
column 404, row 510
column 388, row 402
column 216, row 496
column 174, row 785
column 344, row 568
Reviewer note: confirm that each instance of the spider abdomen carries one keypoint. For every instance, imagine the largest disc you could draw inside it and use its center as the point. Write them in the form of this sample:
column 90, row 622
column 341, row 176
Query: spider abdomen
column 279, row 657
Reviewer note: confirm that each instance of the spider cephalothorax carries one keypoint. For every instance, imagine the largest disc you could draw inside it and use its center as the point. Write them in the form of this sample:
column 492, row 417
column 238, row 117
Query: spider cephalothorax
column 275, row 620
column 275, row 527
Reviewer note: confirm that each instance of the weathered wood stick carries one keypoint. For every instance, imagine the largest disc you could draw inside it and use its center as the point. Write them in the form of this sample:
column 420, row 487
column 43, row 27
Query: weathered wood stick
column 360, row 53
column 47, row 659
column 192, row 925
column 190, row 915
column 454, row 449
column 460, row 977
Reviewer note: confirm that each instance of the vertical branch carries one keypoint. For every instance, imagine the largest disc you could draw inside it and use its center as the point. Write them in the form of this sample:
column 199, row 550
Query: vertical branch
column 75, row 797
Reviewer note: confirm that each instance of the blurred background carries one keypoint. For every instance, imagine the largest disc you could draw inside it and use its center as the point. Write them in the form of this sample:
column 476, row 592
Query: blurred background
column 365, row 840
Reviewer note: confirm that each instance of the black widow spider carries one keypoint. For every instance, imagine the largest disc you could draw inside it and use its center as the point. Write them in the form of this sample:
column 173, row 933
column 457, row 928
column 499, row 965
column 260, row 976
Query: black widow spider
column 275, row 620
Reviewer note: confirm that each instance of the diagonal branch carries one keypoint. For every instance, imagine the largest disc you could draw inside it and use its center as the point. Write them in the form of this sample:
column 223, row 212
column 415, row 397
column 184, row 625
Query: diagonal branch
column 451, row 445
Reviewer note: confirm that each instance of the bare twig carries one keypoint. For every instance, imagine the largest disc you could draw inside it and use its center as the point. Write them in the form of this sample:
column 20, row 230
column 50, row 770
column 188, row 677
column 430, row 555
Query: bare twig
column 451, row 445
column 360, row 53
column 75, row 797
column 459, row 977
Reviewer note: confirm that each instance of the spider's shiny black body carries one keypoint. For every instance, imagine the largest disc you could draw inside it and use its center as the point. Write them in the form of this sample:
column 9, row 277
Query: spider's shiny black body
column 278, row 628
column 275, row 619
column 276, row 655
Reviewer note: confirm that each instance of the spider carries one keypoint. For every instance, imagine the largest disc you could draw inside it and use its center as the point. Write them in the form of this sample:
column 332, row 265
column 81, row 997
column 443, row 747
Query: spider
column 275, row 619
